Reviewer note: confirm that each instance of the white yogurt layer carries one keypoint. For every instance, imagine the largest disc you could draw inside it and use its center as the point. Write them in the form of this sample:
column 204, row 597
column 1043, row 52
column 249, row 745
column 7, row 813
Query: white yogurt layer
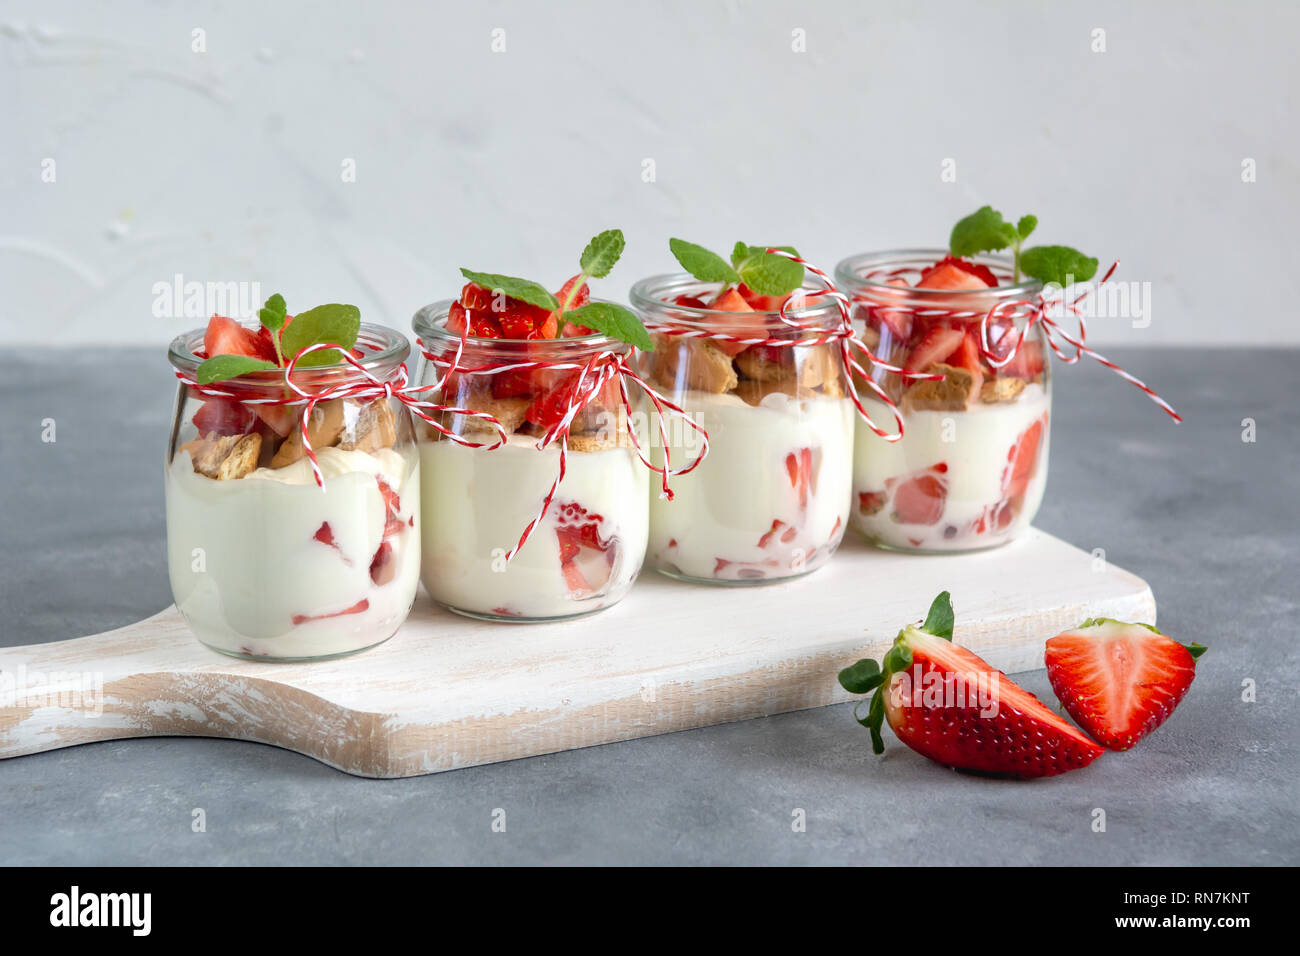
column 584, row 555
column 966, row 456
column 252, row 576
column 770, row 500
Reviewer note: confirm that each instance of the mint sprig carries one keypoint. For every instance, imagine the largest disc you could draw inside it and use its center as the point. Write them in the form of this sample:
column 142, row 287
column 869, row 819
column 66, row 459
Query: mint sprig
column 764, row 272
column 333, row 324
column 985, row 230
column 602, row 253
column 614, row 321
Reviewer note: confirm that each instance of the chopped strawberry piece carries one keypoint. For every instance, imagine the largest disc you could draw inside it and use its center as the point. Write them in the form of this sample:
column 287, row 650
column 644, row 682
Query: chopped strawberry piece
column 586, row 557
column 1022, row 460
column 580, row 298
column 761, row 303
column 474, row 296
column 749, row 326
column 935, row 346
column 457, row 319
column 325, row 535
column 227, row 337
column 951, row 272
column 382, row 566
column 967, row 356
column 223, row 416
column 359, row 607
column 573, row 330
column 1028, row 362
column 920, row 498
column 549, row 328
column 802, row 469
column 518, row 383
column 690, row 301
column 870, row 502
column 392, row 507
column 280, row 419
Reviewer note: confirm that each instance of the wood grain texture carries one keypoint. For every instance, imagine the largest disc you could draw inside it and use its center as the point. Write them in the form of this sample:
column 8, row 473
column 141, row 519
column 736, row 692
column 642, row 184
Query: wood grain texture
column 447, row 692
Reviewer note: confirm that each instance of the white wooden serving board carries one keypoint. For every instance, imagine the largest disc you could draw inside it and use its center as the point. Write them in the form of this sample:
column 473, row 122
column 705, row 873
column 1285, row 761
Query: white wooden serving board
column 448, row 692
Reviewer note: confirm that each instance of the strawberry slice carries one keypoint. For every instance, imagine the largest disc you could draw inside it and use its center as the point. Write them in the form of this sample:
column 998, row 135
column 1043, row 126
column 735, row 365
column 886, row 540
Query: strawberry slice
column 223, row 416
column 457, row 319
column 586, row 557
column 801, row 466
column 871, row 502
column 951, row 272
column 948, row 704
column 751, row 326
column 227, row 337
column 920, row 499
column 967, row 356
column 358, row 608
column 935, row 345
column 382, row 566
column 1119, row 681
column 1022, row 459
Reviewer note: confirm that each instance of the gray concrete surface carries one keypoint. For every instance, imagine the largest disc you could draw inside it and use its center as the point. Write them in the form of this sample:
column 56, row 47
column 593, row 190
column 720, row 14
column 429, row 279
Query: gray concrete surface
column 1209, row 520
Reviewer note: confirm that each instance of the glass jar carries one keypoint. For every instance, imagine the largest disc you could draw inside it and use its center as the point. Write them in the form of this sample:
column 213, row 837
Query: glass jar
column 264, row 564
column 586, row 551
column 970, row 470
column 771, row 499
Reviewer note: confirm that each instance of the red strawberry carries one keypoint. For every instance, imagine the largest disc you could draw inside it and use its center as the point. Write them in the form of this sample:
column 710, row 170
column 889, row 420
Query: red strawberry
column 586, row 558
column 1022, row 460
column 920, row 498
column 549, row 407
column 761, row 303
column 870, row 502
column 802, row 469
column 935, row 345
column 967, row 356
column 953, row 273
column 457, row 319
column 729, row 300
column 548, row 328
column 948, row 704
column 1028, row 362
column 382, row 566
column 690, row 301
column 474, row 296
column 227, row 337
column 1119, row 681
column 223, row 416
column 392, row 507
column 581, row 298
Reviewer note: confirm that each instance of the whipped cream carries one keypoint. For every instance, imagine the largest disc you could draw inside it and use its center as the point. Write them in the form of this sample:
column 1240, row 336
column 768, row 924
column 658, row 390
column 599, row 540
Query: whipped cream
column 583, row 556
column 966, row 458
column 771, row 499
column 272, row 566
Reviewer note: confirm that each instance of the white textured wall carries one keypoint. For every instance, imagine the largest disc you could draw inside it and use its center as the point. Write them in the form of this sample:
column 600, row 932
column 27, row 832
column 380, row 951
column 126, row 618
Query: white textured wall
column 225, row 165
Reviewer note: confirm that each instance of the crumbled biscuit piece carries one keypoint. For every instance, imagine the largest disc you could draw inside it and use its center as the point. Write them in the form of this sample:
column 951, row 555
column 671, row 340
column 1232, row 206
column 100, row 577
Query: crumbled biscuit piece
column 952, row 393
column 819, row 367
column 224, row 457
column 755, row 365
column 1002, row 390
column 871, row 338
column 694, row 364
column 324, row 429
column 374, row 428
column 242, row 459
column 509, row 412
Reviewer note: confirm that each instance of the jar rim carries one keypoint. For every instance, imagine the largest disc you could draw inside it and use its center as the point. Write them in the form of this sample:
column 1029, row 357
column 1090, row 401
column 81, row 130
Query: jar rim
column 383, row 350
column 647, row 297
column 849, row 274
column 430, row 326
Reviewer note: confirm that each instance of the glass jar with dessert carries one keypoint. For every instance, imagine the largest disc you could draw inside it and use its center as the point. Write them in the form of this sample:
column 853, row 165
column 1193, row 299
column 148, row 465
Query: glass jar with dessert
column 292, row 485
column 970, row 332
column 755, row 360
column 535, row 484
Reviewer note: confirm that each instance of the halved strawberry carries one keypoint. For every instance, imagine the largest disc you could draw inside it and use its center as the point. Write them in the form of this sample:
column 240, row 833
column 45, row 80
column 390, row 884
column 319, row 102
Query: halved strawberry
column 935, row 345
column 949, row 704
column 951, row 272
column 1119, row 681
column 223, row 416
column 1022, row 459
column 227, row 337
column 751, row 326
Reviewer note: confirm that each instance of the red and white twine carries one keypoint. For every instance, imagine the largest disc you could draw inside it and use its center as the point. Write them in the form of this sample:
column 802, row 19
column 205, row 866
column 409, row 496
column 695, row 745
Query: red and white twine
column 600, row 369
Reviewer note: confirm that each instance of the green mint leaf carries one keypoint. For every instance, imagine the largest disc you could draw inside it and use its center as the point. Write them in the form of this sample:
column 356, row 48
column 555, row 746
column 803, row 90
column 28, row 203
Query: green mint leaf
column 1059, row 264
column 1026, row 225
column 739, row 253
column 862, row 677
column 767, row 273
column 700, row 262
column 273, row 313
column 940, row 619
column 521, row 289
column 602, row 252
column 332, row 324
column 614, row 321
column 221, row 367
column 982, row 231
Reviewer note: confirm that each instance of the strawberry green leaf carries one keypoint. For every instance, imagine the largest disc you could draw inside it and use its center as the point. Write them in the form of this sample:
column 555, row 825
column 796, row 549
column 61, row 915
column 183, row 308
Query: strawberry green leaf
column 875, row 718
column 862, row 677
column 940, row 619
column 331, row 324
column 701, row 263
column 1059, row 264
column 521, row 289
column 765, row 272
column 612, row 320
column 1196, row 650
column 273, row 313
column 898, row 659
column 1026, row 225
column 602, row 253
column 982, row 231
column 221, row 367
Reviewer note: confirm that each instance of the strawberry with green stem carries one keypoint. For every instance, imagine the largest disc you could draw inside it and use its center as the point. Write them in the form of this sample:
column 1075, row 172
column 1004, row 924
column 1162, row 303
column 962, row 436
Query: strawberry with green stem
column 948, row 704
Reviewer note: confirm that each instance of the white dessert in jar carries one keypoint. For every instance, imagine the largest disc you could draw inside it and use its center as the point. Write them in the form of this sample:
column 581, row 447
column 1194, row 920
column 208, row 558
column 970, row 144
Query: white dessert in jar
column 770, row 500
column 957, row 480
column 583, row 555
column 272, row 566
